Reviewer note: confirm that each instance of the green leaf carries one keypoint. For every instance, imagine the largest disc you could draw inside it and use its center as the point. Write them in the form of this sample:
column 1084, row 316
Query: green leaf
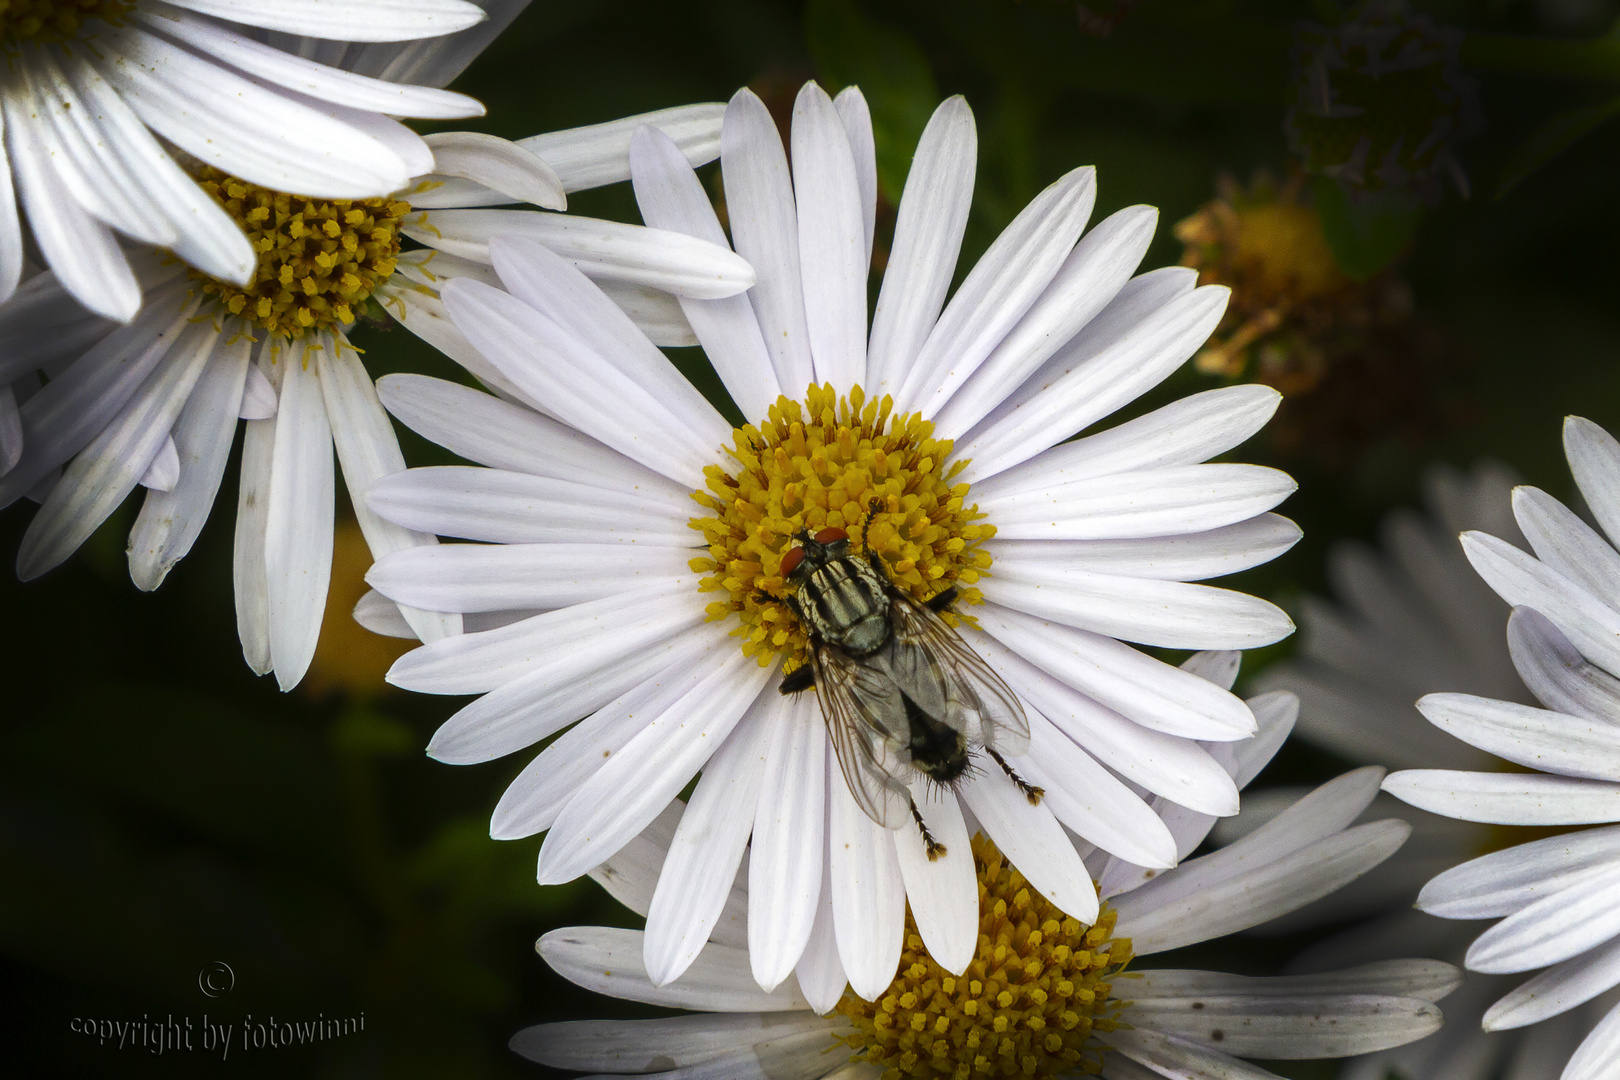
column 1366, row 234
column 1551, row 139
column 890, row 68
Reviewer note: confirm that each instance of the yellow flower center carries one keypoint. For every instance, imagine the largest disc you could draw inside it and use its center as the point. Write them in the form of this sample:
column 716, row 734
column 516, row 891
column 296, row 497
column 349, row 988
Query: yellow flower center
column 319, row 259
column 817, row 464
column 55, row 20
column 1037, row 991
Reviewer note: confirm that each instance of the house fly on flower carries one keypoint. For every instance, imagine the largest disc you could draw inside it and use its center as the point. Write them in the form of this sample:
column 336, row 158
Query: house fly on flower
column 900, row 691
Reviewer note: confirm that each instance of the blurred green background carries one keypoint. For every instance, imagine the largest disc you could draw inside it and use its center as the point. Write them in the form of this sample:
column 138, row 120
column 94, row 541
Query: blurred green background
column 162, row 810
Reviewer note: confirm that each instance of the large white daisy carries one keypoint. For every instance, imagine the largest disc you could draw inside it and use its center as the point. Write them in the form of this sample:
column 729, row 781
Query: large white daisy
column 1558, row 895
column 1043, row 994
column 99, row 97
column 932, row 440
column 155, row 401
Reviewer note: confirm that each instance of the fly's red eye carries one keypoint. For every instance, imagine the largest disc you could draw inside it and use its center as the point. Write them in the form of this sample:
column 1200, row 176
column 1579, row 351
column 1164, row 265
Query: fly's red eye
column 791, row 561
column 831, row 536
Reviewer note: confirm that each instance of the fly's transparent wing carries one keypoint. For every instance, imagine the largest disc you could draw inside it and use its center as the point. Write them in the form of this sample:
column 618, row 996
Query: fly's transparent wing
column 876, row 766
column 952, row 683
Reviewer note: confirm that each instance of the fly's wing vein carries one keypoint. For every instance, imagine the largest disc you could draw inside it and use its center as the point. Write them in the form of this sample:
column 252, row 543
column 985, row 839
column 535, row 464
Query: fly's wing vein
column 938, row 670
column 875, row 765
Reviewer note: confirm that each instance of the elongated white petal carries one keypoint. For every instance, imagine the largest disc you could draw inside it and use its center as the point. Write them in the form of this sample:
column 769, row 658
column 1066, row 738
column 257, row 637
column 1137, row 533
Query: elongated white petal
column 248, row 574
column 164, row 471
column 599, row 154
column 11, row 238
column 868, row 892
column 1430, row 980
column 656, row 314
column 941, row 889
column 1189, row 557
column 500, row 577
column 298, row 524
column 611, row 250
column 708, row 845
column 482, row 428
column 1289, row 1026
column 643, row 1046
column 928, row 232
column 1185, row 432
column 820, row 971
column 382, row 20
column 856, row 116
column 1180, row 1059
column 1089, row 278
column 1599, row 1053
column 1558, row 989
column 671, row 197
column 764, row 228
column 1511, row 880
column 641, row 779
column 1521, row 580
column 1032, row 840
column 498, row 164
column 1507, row 799
column 1555, row 671
column 789, row 842
column 1554, row 928
column 1120, row 355
column 832, row 239
column 1594, row 459
column 1566, row 543
column 608, row 960
column 1551, row 741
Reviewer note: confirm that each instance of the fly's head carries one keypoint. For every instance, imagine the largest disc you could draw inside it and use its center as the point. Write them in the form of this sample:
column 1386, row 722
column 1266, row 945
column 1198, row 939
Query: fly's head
column 813, row 552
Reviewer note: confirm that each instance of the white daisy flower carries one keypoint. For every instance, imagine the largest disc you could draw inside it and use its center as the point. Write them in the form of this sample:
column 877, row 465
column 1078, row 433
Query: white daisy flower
column 930, row 446
column 155, row 402
column 96, row 94
column 1412, row 618
column 1043, row 994
column 1557, row 894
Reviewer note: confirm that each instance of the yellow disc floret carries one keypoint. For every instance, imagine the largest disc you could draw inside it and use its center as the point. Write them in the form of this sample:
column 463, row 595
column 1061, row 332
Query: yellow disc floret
column 55, row 20
column 1037, row 992
column 319, row 259
column 819, row 463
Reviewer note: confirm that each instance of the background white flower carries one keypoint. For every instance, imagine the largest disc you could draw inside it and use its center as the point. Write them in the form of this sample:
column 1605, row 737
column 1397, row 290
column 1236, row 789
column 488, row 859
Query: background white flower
column 154, row 402
column 657, row 634
column 1557, row 894
column 88, row 91
column 1022, row 996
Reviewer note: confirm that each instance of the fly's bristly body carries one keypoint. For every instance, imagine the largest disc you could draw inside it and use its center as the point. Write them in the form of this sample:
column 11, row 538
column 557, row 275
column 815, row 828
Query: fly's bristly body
column 901, row 692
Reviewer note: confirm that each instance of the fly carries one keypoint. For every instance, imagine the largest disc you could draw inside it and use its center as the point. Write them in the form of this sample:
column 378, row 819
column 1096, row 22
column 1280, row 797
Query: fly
column 900, row 691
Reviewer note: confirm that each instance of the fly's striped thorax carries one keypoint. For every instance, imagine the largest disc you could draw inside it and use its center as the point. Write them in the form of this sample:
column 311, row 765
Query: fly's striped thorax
column 846, row 601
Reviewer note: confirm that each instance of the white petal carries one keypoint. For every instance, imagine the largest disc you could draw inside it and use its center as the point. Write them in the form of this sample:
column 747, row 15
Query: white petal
column 495, row 163
column 1120, row 355
column 708, row 845
column 607, row 960
column 832, row 239
column 1556, row 673
column 298, row 524
column 644, row 1046
column 482, row 428
column 765, row 231
column 1511, row 799
column 1169, row 501
column 1290, row 1026
column 241, row 127
column 1032, row 840
column 1430, row 980
column 1576, row 918
column 927, row 239
column 671, row 197
column 641, row 779
column 1000, row 288
column 501, row 577
column 1147, row 691
column 868, row 892
column 1599, row 1053
column 1219, row 667
column 11, row 238
column 1260, row 895
column 789, row 843
column 942, row 892
column 1550, row 741
column 1507, row 881
column 1089, row 799
column 671, row 261
column 630, row 875
column 1181, row 1059
column 11, row 432
column 656, row 314
column 1590, row 624
column 107, row 470
column 588, row 157
column 1594, row 459
column 1566, row 543
column 1189, row 557
column 1089, row 278
column 258, row 396
column 252, row 587
column 820, row 972
column 164, row 471
column 1558, row 989
column 380, row 20
column 857, row 120
column 577, row 385
column 1185, row 432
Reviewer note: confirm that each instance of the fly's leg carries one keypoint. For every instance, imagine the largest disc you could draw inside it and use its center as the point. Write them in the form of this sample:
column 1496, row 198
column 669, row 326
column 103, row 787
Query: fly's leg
column 874, row 507
column 942, row 599
column 933, row 847
column 798, row 680
column 1031, row 792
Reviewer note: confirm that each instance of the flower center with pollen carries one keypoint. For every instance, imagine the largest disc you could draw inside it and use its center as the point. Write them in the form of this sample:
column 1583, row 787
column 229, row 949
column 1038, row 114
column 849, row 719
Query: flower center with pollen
column 319, row 259
column 54, row 20
column 819, row 464
column 1036, row 992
